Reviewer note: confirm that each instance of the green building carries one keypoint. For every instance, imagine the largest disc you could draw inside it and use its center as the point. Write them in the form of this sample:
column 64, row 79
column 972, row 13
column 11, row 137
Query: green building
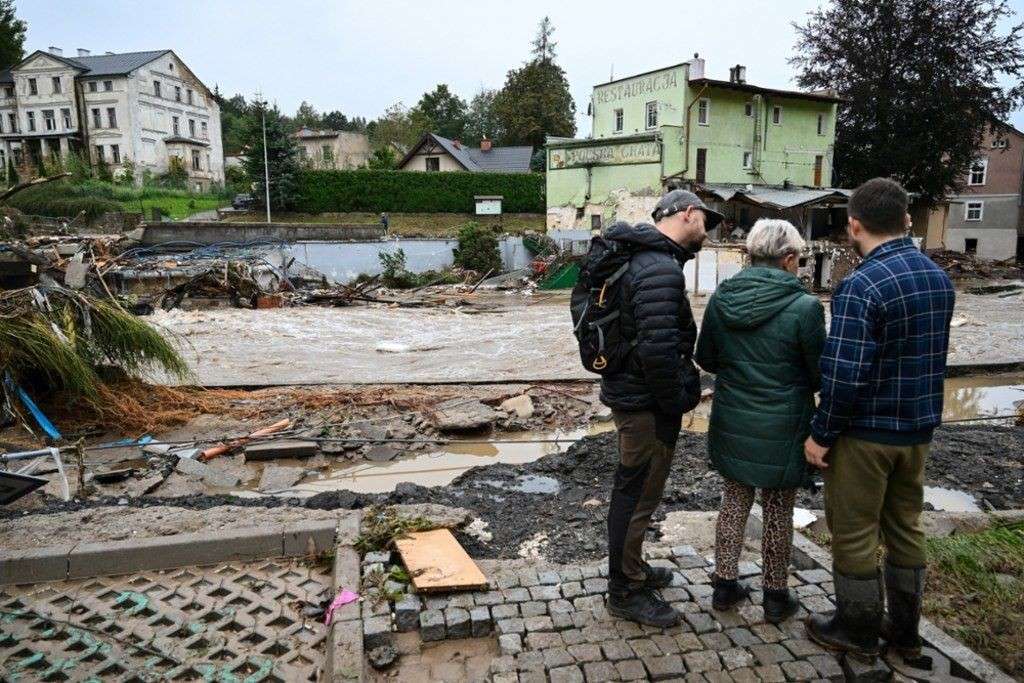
column 674, row 127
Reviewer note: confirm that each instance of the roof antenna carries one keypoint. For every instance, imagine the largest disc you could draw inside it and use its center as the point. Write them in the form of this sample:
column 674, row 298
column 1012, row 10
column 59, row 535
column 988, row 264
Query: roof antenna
column 611, row 75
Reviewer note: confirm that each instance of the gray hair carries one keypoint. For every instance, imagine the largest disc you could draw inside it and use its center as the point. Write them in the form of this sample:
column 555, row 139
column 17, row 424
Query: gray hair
column 772, row 239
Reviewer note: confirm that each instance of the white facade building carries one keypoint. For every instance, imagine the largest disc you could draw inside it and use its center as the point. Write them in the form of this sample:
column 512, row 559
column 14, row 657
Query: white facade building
column 142, row 107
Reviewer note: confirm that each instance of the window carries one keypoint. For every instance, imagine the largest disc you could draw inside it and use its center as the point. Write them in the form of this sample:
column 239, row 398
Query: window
column 97, row 122
column 652, row 114
column 108, row 86
column 33, row 88
column 9, row 91
column 197, row 164
column 115, row 153
column 66, row 115
column 205, row 130
column 188, row 96
column 702, row 165
column 99, row 152
column 177, row 93
column 93, row 86
column 156, row 88
column 175, row 129
column 111, row 117
column 191, row 128
column 971, row 245
column 12, row 120
column 979, row 171
column 819, row 167
column 748, row 109
column 618, row 120
column 327, row 153
column 703, row 111
column 49, row 120
column 433, row 163
column 974, row 211
column 1000, row 144
column 56, row 85
column 303, row 153
column 31, row 116
column 821, row 124
column 777, row 115
column 595, row 221
column 748, row 160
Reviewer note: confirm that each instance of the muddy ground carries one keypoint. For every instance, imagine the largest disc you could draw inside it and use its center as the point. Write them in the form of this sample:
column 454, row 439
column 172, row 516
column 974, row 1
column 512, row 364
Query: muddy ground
column 555, row 507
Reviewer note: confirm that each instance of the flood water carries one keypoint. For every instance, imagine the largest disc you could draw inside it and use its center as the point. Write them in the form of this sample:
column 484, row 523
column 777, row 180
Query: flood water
column 983, row 396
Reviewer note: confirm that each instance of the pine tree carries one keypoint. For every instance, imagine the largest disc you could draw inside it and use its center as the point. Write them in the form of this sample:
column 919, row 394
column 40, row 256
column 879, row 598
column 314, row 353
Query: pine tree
column 441, row 111
column 543, row 46
column 12, row 35
column 282, row 156
column 481, row 120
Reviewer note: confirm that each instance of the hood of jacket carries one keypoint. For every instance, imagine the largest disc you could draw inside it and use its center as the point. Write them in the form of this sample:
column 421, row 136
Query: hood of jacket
column 648, row 237
column 756, row 295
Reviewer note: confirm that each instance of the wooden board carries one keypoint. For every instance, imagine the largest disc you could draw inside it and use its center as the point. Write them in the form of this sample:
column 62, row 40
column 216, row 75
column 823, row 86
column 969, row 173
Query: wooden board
column 436, row 562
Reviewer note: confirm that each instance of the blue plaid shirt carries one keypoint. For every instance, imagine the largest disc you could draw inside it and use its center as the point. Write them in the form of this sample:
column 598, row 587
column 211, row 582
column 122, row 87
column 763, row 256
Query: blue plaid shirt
column 884, row 362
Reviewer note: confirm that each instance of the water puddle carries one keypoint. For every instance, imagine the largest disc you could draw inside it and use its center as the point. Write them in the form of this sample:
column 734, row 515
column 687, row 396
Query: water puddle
column 527, row 483
column 950, row 500
column 983, row 396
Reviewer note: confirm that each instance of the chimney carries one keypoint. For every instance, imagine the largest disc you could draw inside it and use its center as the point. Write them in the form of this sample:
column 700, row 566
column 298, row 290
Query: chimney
column 738, row 74
column 56, row 51
column 108, row 52
column 457, row 144
column 696, row 67
column 82, row 52
column 485, row 145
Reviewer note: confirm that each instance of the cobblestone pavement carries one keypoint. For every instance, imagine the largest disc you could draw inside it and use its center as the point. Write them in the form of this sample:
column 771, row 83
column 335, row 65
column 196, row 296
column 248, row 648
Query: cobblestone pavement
column 253, row 622
column 553, row 625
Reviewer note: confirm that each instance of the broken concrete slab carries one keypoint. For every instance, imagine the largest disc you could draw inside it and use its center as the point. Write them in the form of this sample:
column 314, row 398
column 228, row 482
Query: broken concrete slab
column 137, row 488
column 75, row 274
column 438, row 515
column 209, row 474
column 277, row 477
column 381, row 453
column 460, row 415
column 285, row 448
column 521, row 405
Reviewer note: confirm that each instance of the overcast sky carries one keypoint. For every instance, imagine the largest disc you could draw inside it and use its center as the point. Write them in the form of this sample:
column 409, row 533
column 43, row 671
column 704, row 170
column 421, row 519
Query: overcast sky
column 361, row 57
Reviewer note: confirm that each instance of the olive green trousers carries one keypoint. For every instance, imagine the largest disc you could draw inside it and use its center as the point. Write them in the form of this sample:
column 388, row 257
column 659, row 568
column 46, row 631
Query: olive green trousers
column 874, row 493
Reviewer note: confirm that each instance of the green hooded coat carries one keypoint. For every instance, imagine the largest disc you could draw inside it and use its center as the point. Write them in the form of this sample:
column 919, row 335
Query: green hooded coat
column 762, row 337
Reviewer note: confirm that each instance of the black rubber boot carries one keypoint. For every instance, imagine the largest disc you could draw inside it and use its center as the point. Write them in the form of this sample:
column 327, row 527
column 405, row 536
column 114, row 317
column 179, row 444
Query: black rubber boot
column 643, row 606
column 904, row 589
column 855, row 626
column 657, row 577
column 779, row 605
column 727, row 593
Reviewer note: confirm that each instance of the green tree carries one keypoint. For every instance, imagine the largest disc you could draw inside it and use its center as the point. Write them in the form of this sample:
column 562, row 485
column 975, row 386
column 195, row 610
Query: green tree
column 478, row 249
column 336, row 120
column 396, row 127
column 535, row 101
column 921, row 80
column 12, row 35
column 12, row 173
column 233, row 112
column 441, row 111
column 382, row 159
column 306, row 117
column 481, row 120
column 282, row 156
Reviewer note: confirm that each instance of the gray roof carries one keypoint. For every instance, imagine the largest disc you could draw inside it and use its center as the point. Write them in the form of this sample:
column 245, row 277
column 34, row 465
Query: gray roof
column 98, row 65
column 496, row 160
column 776, row 197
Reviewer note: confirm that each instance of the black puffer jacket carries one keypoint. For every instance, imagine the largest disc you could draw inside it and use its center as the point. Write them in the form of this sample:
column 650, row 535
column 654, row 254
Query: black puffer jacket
column 660, row 374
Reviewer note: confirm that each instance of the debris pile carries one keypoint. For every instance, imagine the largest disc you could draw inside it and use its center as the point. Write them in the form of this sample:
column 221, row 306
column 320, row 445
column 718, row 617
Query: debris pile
column 961, row 266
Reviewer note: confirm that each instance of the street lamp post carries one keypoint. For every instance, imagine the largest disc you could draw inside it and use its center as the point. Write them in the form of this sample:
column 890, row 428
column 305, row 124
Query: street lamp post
column 266, row 165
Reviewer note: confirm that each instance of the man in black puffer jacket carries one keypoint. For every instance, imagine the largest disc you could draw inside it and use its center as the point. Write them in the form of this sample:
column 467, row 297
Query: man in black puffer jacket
column 648, row 398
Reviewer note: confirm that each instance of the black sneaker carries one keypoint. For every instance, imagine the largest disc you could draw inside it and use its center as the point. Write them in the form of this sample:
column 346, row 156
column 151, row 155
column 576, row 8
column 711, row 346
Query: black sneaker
column 643, row 606
column 728, row 593
column 657, row 577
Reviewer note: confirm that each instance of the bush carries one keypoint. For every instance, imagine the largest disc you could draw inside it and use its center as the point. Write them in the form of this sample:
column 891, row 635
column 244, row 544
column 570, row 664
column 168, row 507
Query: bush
column 415, row 192
column 59, row 200
column 395, row 274
column 176, row 175
column 478, row 249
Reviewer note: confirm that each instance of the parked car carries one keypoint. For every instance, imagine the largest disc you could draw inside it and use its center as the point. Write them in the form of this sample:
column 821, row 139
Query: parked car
column 243, row 202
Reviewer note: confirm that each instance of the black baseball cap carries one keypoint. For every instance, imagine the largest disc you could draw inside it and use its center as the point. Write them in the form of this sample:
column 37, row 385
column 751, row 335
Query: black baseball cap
column 680, row 200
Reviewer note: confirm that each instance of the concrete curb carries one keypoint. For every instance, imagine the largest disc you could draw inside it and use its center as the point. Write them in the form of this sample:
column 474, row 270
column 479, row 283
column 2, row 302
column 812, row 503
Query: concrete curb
column 343, row 660
column 83, row 560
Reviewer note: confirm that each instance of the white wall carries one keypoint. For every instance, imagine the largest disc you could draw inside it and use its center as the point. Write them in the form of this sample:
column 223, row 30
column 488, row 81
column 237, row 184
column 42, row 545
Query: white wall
column 994, row 244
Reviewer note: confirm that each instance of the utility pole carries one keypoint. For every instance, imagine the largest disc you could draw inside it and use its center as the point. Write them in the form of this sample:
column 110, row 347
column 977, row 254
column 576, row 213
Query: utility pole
column 266, row 166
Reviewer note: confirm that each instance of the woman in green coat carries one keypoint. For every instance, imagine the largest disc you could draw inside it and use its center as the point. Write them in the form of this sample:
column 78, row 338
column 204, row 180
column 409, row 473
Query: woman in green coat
column 761, row 337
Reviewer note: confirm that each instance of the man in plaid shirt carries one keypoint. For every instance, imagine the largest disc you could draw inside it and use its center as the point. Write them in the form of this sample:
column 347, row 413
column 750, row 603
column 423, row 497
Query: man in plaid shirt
column 882, row 373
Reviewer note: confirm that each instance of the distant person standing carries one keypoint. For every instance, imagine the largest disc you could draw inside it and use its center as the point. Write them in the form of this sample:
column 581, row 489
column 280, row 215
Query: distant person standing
column 385, row 221
column 882, row 373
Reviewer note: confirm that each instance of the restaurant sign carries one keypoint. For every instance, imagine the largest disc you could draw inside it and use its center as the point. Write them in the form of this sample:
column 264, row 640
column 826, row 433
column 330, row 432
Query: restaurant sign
column 647, row 152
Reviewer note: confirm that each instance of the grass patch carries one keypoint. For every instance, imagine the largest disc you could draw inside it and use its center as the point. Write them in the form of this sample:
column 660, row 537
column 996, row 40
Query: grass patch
column 975, row 592
column 382, row 525
column 414, row 224
column 65, row 199
column 176, row 208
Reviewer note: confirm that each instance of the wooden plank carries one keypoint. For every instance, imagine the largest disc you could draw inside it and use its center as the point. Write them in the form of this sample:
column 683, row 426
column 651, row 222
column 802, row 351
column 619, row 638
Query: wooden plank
column 436, row 562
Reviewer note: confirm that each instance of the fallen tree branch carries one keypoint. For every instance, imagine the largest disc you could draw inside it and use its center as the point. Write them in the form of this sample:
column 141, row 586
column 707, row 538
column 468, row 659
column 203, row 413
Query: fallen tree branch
column 31, row 183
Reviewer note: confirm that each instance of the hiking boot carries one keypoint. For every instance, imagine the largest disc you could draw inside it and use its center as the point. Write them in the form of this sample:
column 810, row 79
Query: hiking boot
column 727, row 593
column 904, row 588
column 855, row 625
column 657, row 577
column 779, row 605
column 643, row 606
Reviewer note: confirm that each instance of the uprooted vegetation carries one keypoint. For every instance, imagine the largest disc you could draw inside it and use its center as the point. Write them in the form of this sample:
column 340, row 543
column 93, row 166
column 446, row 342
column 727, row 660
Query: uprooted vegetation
column 382, row 525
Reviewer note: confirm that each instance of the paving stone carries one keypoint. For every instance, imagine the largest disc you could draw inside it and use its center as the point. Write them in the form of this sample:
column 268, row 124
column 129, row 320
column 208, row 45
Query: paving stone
column 814, row 575
column 595, row 585
column 826, row 665
column 742, row 637
column 767, row 633
column 657, row 552
column 376, row 632
column 585, row 652
column 549, row 578
column 573, row 636
column 375, row 609
column 545, row 593
column 435, row 603
column 802, row 648
column 747, row 569
column 616, row 650
column 503, row 611
column 770, row 674
column 505, row 678
column 699, row 590
column 572, row 589
column 818, row 604
column 457, row 622
column 808, row 590
column 532, row 677
column 582, row 619
column 407, row 613
column 557, row 656
column 489, row 598
column 628, row 629
column 674, row 594
column 600, row 672
column 665, row 667
column 513, row 625
column 736, row 658
column 752, row 614
column 598, row 632
column 631, row 670
column 856, row 670
column 716, row 641
column 510, row 643
column 560, row 606
column 697, row 575
column 571, row 574
column 589, row 602
column 530, row 661
column 508, row 581
column 684, row 551
column 829, row 588
column 462, row 600
column 566, row 674
column 432, row 625
column 480, row 621
column 590, row 572
column 704, row 660
column 717, row 677
column 373, row 557
column 694, row 678
column 688, row 642
column 794, row 629
column 665, row 642
column 799, row 671
column 503, row 664
column 770, row 653
column 538, row 624
column 701, row 622
column 533, row 608
column 528, row 577
column 562, row 620
column 518, row 594
column 678, row 580
column 645, row 647
column 542, row 641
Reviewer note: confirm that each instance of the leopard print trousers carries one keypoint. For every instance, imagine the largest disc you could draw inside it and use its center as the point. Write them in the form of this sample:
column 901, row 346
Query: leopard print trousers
column 777, row 538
